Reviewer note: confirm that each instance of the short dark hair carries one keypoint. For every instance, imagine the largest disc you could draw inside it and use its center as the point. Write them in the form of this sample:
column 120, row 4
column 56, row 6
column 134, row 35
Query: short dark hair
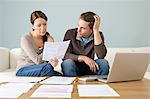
column 88, row 17
column 37, row 14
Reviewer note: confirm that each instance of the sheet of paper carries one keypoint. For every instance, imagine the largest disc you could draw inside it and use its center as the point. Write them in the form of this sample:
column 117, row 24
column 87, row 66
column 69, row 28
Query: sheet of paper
column 53, row 91
column 22, row 79
column 96, row 91
column 55, row 50
column 27, row 79
column 14, row 90
column 58, row 80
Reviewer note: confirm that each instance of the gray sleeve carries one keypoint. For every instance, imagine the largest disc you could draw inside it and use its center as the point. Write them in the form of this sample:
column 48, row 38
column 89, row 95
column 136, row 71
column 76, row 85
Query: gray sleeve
column 27, row 46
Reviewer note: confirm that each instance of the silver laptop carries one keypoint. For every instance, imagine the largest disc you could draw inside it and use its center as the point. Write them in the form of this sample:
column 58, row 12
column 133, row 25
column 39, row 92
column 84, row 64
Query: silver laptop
column 127, row 67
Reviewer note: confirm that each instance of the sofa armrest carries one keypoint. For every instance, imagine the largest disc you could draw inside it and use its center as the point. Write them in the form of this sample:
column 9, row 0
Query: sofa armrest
column 4, row 58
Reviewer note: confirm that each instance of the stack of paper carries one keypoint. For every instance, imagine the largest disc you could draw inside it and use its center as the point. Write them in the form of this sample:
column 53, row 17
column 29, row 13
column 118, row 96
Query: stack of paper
column 96, row 91
column 14, row 90
column 53, row 91
column 92, row 77
column 88, row 78
column 58, row 80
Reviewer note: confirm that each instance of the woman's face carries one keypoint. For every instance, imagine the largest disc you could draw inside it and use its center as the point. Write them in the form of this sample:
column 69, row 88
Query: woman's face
column 40, row 26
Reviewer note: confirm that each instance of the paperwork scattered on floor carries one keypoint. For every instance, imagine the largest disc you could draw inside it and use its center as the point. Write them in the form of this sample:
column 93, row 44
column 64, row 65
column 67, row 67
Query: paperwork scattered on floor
column 96, row 91
column 58, row 80
column 53, row 91
column 14, row 90
column 27, row 79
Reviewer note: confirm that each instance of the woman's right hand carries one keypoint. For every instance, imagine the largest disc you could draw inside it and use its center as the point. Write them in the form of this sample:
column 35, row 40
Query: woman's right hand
column 54, row 62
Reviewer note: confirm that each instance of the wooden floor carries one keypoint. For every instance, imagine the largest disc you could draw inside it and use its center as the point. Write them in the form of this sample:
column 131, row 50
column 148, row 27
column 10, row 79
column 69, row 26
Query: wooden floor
column 126, row 90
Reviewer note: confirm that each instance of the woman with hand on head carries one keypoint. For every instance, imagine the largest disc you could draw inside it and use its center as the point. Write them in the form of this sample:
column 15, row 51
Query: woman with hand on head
column 30, row 62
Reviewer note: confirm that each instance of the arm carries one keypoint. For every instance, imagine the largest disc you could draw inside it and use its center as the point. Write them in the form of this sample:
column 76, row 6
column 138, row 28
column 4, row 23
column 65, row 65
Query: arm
column 27, row 46
column 69, row 54
column 99, row 46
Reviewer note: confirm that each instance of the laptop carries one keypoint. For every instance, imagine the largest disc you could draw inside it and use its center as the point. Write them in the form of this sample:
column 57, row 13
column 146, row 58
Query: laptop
column 127, row 67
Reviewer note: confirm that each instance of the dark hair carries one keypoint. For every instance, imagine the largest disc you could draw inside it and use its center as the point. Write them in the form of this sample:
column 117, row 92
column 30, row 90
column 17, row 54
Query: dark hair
column 37, row 14
column 88, row 17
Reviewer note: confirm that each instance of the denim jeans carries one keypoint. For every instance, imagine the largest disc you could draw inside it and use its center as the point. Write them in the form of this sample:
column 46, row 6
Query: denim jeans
column 44, row 69
column 72, row 68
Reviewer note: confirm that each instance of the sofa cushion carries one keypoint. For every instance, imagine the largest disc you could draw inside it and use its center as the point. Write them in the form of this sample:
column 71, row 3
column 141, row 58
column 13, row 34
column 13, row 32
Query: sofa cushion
column 14, row 54
column 111, row 52
column 4, row 58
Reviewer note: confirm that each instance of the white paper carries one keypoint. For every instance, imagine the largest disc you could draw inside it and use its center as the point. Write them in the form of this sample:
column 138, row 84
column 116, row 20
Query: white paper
column 14, row 90
column 58, row 80
column 27, row 79
column 22, row 79
column 55, row 50
column 53, row 91
column 96, row 91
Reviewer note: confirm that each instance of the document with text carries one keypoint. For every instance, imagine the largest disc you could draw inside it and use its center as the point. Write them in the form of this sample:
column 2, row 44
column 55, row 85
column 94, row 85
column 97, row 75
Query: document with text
column 22, row 79
column 96, row 91
column 53, row 91
column 59, row 80
column 55, row 50
column 14, row 90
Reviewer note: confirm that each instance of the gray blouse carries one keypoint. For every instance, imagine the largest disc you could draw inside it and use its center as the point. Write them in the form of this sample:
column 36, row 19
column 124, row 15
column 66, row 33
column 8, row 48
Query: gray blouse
column 30, row 54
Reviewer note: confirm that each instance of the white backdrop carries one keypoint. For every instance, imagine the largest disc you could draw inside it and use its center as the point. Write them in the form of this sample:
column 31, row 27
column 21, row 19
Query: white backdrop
column 125, row 23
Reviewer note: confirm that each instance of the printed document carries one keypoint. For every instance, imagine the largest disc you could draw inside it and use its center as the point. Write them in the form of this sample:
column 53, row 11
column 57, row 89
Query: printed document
column 22, row 79
column 55, row 50
column 14, row 90
column 53, row 91
column 26, row 79
column 96, row 91
column 58, row 80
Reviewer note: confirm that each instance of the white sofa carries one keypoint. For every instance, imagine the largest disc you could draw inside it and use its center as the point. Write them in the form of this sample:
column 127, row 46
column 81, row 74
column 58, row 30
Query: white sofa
column 8, row 60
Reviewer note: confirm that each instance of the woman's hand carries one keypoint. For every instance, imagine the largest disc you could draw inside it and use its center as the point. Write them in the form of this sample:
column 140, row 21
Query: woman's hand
column 50, row 39
column 54, row 62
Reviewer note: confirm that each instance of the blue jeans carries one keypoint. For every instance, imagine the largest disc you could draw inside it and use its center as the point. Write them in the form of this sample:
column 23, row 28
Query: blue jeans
column 44, row 69
column 73, row 68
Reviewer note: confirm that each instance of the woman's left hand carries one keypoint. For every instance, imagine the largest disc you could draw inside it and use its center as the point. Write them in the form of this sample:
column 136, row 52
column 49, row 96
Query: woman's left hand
column 50, row 39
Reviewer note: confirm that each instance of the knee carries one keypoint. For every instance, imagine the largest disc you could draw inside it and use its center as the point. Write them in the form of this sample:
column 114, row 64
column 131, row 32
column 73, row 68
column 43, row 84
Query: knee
column 68, row 61
column 68, row 65
column 103, row 63
column 48, row 67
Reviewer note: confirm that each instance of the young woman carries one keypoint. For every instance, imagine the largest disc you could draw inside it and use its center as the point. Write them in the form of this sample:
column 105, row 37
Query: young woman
column 30, row 62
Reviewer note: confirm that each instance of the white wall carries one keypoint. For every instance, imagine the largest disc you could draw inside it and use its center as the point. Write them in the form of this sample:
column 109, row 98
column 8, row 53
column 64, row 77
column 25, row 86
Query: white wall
column 124, row 22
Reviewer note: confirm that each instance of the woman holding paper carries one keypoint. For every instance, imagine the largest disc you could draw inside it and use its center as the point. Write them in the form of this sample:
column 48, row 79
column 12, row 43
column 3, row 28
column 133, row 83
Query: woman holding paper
column 30, row 62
